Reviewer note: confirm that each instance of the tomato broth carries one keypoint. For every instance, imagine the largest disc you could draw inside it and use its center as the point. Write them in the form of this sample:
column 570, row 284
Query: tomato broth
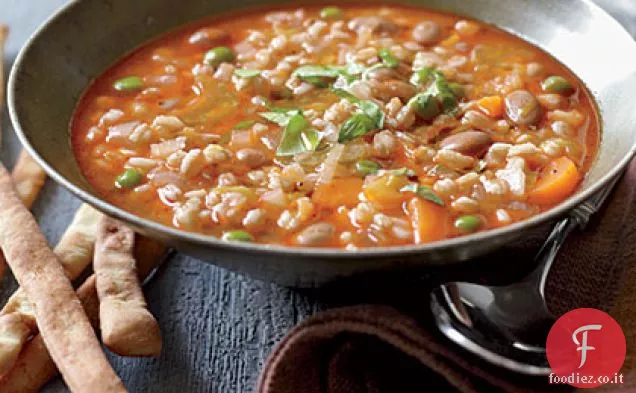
column 352, row 126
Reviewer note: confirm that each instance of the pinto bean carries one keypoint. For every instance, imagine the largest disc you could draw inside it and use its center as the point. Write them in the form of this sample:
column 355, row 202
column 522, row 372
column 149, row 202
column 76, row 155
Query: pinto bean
column 251, row 157
column 523, row 108
column 377, row 25
column 471, row 143
column 316, row 234
column 392, row 88
column 427, row 32
column 208, row 37
column 477, row 119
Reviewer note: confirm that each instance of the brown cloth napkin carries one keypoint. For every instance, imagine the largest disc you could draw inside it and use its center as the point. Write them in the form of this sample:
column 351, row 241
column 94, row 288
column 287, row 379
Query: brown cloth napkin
column 378, row 349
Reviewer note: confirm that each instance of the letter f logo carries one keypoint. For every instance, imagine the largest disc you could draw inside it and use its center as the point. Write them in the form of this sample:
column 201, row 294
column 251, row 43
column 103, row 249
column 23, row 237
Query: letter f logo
column 583, row 347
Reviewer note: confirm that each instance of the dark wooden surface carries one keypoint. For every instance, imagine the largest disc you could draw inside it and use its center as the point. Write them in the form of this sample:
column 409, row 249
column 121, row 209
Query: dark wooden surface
column 218, row 327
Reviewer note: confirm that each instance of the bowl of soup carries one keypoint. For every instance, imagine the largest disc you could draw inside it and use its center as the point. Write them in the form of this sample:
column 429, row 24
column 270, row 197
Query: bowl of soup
column 304, row 142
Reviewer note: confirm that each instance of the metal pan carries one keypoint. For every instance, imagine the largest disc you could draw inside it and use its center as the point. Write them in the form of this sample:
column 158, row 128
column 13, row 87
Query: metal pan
column 85, row 37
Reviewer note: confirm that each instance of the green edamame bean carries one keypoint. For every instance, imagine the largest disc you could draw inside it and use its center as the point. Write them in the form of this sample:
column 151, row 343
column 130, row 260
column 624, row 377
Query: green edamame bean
column 331, row 13
column 557, row 84
column 129, row 179
column 218, row 55
column 129, row 83
column 468, row 223
column 238, row 236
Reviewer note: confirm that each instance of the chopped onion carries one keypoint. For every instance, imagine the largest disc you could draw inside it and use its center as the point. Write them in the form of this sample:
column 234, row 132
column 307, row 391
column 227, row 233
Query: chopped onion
column 121, row 131
column 165, row 148
column 244, row 49
column 162, row 80
column 169, row 103
column 169, row 194
column 328, row 167
column 514, row 175
column 160, row 178
column 142, row 163
column 110, row 117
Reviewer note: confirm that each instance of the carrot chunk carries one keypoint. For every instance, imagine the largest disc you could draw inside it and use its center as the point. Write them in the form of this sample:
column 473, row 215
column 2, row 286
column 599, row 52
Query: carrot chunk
column 451, row 40
column 556, row 182
column 339, row 192
column 429, row 221
column 491, row 106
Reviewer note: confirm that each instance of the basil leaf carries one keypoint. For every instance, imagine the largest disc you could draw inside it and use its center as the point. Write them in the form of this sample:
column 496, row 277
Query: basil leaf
column 421, row 76
column 357, row 125
column 388, row 58
column 298, row 137
column 245, row 73
column 311, row 139
column 367, row 167
column 426, row 106
column 355, row 69
column 342, row 93
column 241, row 125
column 276, row 117
column 448, row 100
column 316, row 74
column 423, row 192
column 428, row 194
column 372, row 110
column 344, row 71
column 370, row 117
column 349, row 72
column 458, row 90
column 443, row 92
column 316, row 71
column 401, row 172
column 280, row 116
column 316, row 81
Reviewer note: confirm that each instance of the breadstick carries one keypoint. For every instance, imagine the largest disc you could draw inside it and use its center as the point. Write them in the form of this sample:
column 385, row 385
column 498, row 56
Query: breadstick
column 127, row 327
column 28, row 178
column 63, row 324
column 75, row 252
column 35, row 367
column 4, row 30
column 13, row 333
